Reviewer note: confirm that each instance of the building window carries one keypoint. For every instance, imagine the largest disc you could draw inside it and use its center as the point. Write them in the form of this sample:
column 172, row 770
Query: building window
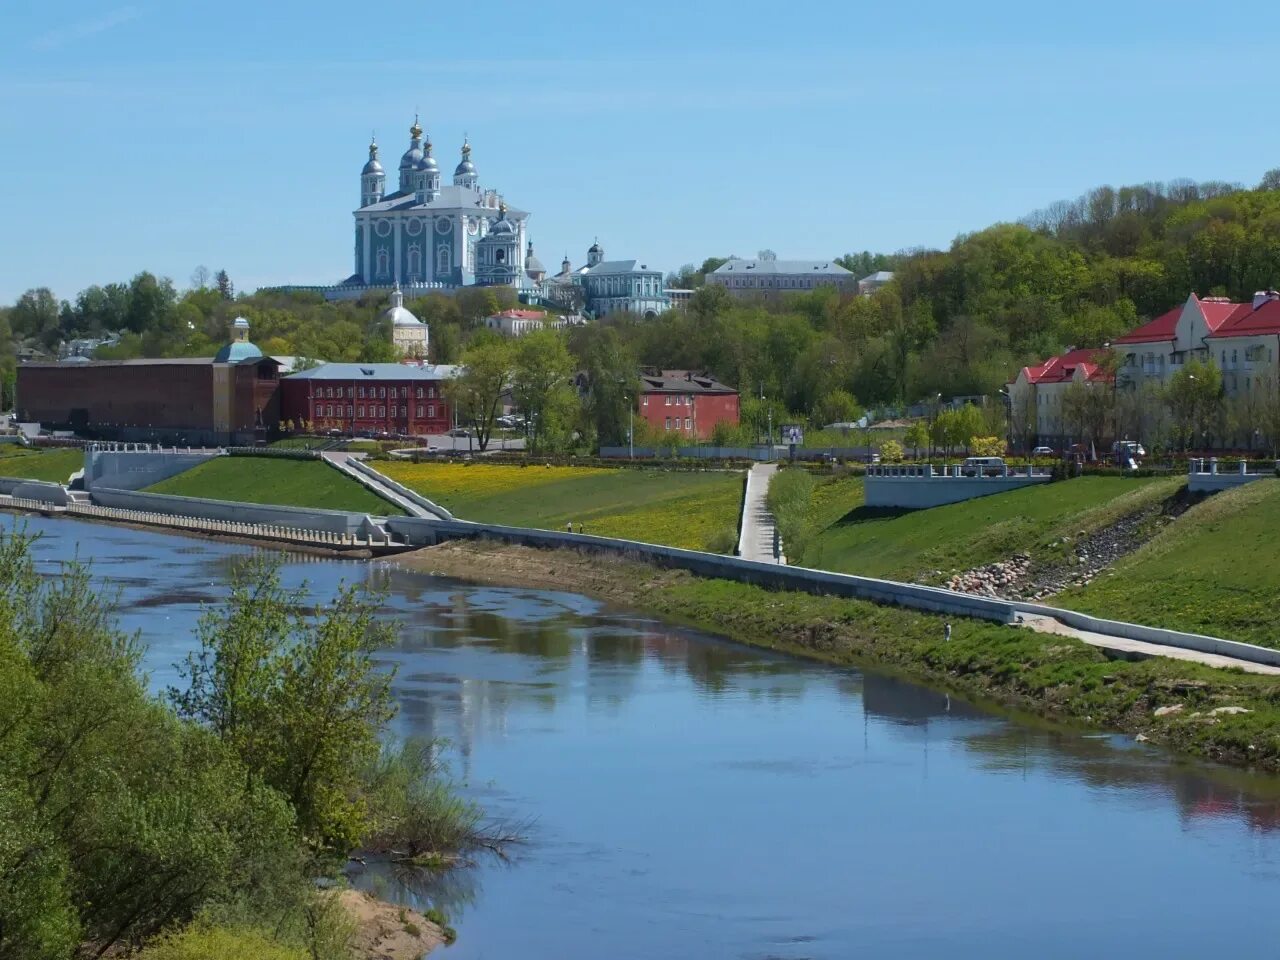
column 668, row 399
column 382, row 411
column 361, row 393
column 382, row 393
column 384, row 262
column 329, row 410
column 360, row 411
column 688, row 423
column 442, row 261
column 667, row 424
column 419, row 394
column 431, row 410
column 349, row 410
column 404, row 411
column 419, row 411
column 415, row 262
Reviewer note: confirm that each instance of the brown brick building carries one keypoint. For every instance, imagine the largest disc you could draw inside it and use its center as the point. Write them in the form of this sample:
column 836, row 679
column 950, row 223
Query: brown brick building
column 233, row 398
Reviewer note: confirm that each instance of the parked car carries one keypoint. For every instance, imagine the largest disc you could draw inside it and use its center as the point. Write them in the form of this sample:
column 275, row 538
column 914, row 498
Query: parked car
column 1043, row 452
column 459, row 432
column 983, row 466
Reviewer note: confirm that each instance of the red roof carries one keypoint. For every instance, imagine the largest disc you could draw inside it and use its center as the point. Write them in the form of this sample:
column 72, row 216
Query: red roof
column 1062, row 369
column 1250, row 322
column 1216, row 312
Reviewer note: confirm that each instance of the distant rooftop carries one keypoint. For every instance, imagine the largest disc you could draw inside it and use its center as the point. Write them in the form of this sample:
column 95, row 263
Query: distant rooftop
column 682, row 381
column 378, row 371
column 782, row 267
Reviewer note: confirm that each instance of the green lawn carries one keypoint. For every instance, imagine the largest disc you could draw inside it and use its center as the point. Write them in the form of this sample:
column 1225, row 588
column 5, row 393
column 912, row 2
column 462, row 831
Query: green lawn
column 294, row 483
column 56, row 465
column 1215, row 570
column 911, row 545
column 694, row 510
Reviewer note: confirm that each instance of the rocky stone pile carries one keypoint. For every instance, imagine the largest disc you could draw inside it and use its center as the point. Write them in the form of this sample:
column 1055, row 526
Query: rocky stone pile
column 1084, row 556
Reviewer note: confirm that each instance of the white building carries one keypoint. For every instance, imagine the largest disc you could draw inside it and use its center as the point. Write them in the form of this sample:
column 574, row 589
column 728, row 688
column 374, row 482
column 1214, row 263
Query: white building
column 870, row 284
column 1153, row 351
column 772, row 278
column 1035, row 394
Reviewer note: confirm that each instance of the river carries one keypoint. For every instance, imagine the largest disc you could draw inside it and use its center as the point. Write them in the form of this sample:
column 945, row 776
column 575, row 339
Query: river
column 688, row 797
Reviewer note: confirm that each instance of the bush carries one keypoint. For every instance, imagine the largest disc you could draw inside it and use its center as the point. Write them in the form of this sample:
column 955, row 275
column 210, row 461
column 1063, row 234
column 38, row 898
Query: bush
column 202, row 941
column 723, row 541
column 891, row 451
column 987, row 446
column 788, row 500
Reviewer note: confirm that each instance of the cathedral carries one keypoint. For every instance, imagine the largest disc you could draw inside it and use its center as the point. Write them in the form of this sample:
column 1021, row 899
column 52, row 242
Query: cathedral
column 426, row 234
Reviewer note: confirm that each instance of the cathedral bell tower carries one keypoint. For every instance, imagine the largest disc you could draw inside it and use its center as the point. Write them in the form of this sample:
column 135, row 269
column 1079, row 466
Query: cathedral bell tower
column 373, row 178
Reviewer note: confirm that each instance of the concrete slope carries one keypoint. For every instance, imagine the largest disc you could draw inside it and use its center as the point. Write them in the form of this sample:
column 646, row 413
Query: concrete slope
column 338, row 460
column 758, row 537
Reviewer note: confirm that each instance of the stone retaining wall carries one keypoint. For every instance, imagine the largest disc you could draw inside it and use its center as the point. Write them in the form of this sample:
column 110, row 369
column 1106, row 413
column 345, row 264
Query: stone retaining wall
column 330, row 521
column 137, row 469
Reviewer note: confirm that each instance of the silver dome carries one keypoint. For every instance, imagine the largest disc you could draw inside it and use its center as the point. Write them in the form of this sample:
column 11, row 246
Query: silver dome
column 373, row 166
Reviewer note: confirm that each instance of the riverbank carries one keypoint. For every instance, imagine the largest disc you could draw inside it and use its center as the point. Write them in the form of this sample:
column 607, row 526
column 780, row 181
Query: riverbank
column 1221, row 715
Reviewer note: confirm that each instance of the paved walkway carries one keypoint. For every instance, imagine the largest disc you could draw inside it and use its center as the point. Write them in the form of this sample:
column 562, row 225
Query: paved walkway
column 1137, row 649
column 338, row 458
column 756, row 538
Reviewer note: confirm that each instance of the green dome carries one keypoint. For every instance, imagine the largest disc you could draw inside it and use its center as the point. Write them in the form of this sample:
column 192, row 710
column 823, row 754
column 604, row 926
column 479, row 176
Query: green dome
column 235, row 352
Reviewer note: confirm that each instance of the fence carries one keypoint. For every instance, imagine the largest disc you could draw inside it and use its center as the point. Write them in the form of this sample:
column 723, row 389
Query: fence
column 1209, row 474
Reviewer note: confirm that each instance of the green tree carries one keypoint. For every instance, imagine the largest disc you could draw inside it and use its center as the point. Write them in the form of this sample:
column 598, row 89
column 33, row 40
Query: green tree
column 226, row 289
column 1194, row 396
column 36, row 316
column 917, row 436
column 837, row 406
column 540, row 385
column 476, row 392
column 297, row 697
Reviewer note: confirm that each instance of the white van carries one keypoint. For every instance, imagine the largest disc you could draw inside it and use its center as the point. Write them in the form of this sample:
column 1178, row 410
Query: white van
column 983, row 467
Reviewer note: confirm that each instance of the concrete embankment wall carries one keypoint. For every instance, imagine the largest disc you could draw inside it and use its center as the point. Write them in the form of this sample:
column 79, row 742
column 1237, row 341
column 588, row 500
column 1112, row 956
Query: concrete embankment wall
column 921, row 492
column 378, row 479
column 1158, row 635
column 137, row 469
column 774, row 576
column 41, row 490
column 329, row 521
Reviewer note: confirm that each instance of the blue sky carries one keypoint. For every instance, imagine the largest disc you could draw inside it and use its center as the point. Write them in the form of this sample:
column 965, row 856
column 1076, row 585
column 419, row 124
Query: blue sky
column 162, row 135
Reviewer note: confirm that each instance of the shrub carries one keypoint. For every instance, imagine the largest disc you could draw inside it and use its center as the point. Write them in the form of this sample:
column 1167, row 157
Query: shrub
column 891, row 451
column 987, row 446
column 724, row 540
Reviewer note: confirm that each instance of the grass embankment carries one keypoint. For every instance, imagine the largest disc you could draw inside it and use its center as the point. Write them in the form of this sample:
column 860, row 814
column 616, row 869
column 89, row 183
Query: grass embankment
column 293, row 483
column 1052, row 676
column 55, row 466
column 846, row 535
column 698, row 511
column 1215, row 570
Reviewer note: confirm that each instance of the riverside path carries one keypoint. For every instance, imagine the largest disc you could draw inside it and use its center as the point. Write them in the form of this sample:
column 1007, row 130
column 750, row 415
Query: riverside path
column 758, row 538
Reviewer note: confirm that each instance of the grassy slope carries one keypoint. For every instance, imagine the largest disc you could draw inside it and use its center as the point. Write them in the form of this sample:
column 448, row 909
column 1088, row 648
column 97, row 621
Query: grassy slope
column 675, row 508
column 1215, row 570
column 53, row 465
column 1048, row 675
column 295, row 483
column 912, row 545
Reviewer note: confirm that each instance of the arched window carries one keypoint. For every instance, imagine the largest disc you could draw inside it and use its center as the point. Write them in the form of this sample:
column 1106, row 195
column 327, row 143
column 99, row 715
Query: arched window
column 384, row 263
column 415, row 262
column 443, row 260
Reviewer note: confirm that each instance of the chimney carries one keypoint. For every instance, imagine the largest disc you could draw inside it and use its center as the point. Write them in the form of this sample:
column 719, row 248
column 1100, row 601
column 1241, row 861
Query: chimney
column 1261, row 297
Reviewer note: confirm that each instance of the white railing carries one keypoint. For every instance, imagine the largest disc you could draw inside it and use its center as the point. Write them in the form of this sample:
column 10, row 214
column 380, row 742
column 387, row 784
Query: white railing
column 927, row 471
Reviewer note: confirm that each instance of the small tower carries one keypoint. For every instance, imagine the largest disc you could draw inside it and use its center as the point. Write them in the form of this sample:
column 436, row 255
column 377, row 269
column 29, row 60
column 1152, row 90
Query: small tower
column 408, row 333
column 533, row 267
column 412, row 157
column 427, row 176
column 498, row 252
column 595, row 253
column 465, row 174
column 373, row 179
column 565, row 266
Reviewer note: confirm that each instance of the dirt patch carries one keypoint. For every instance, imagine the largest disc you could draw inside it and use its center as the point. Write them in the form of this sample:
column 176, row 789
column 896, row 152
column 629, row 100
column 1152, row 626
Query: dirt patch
column 387, row 932
column 1086, row 555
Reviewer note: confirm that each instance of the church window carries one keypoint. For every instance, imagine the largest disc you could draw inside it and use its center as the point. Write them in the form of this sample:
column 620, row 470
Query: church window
column 384, row 262
column 415, row 262
column 500, row 256
column 442, row 260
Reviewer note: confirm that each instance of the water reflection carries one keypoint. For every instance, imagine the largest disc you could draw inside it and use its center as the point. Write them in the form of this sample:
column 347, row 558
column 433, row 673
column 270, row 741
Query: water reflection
column 691, row 797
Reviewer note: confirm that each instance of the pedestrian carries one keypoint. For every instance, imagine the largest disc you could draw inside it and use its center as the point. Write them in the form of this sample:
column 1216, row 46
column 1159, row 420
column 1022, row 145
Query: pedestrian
column 569, row 526
column 946, row 633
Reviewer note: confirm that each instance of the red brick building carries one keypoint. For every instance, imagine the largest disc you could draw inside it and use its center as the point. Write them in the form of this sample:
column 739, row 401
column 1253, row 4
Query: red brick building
column 682, row 401
column 366, row 399
column 189, row 401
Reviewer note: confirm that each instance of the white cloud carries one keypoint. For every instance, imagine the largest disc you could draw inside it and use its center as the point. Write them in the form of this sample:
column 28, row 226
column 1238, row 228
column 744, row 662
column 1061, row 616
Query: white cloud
column 84, row 28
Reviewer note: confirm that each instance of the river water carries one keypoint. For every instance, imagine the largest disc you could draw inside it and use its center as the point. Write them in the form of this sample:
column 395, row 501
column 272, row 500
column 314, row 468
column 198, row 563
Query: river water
column 688, row 797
